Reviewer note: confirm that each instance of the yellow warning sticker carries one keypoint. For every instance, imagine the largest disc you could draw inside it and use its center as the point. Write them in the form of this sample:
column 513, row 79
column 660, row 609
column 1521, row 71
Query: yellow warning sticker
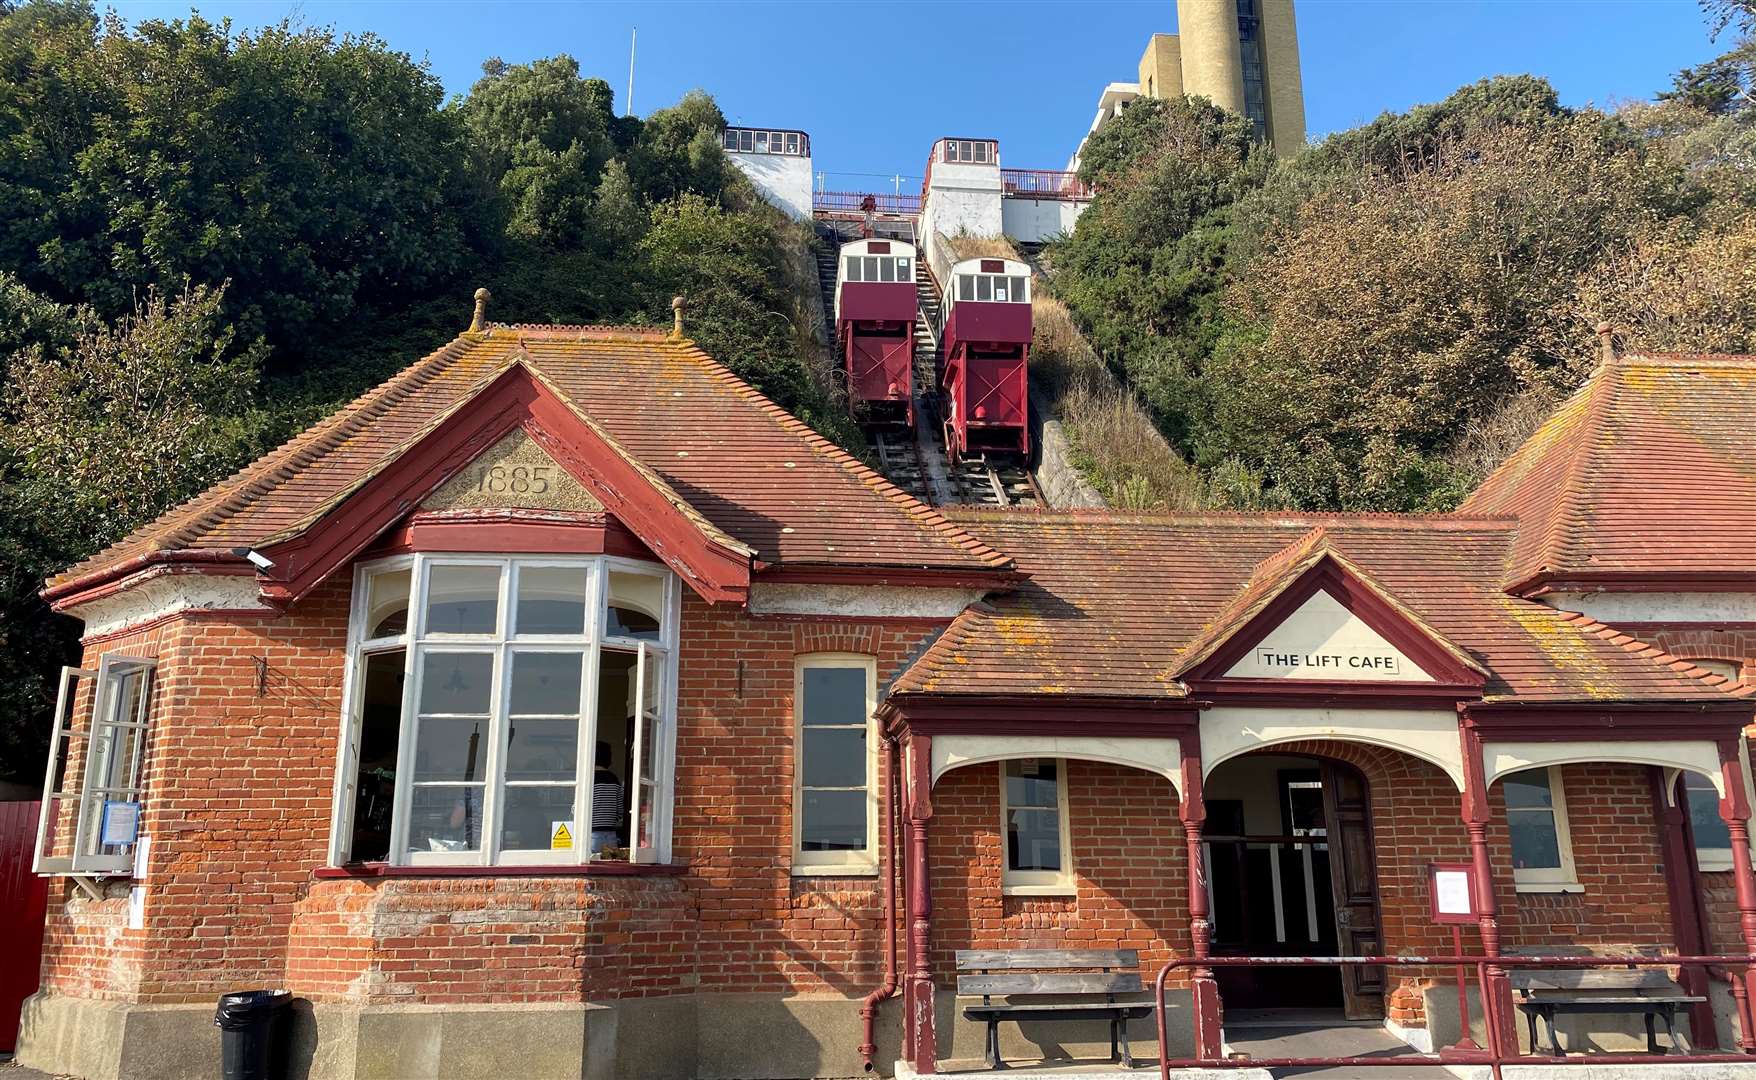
column 560, row 837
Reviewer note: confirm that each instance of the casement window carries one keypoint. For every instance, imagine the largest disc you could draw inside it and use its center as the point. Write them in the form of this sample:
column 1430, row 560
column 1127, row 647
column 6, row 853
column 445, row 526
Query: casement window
column 1713, row 838
column 508, row 711
column 835, row 767
column 1033, row 827
column 92, row 794
column 1536, row 816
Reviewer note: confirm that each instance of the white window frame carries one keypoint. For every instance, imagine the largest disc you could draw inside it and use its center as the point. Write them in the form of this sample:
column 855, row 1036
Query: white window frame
column 504, row 643
column 842, row 863
column 112, row 668
column 1562, row 879
column 1038, row 882
column 1710, row 860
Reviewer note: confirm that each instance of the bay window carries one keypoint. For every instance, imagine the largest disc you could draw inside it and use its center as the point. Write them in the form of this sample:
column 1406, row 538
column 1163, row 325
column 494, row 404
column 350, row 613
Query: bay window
column 835, row 772
column 508, row 712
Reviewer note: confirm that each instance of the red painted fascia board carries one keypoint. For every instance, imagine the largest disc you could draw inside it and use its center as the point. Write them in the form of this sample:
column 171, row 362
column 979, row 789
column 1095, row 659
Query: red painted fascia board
column 1315, row 693
column 1576, row 721
column 513, row 399
column 1012, row 714
column 1326, row 574
column 112, row 579
column 509, row 535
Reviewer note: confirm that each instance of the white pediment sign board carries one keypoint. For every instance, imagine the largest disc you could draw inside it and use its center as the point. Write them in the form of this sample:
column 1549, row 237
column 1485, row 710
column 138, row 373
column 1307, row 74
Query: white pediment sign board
column 1324, row 641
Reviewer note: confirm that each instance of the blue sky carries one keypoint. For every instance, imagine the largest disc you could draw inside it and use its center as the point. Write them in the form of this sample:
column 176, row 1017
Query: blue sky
column 875, row 83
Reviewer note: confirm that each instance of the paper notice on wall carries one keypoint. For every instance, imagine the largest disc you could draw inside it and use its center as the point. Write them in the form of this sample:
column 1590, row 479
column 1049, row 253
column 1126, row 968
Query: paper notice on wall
column 137, row 908
column 1451, row 892
column 560, row 836
column 121, row 822
column 141, row 850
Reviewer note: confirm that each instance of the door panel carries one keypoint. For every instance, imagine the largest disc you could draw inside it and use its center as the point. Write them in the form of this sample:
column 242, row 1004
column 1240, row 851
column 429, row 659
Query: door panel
column 1353, row 877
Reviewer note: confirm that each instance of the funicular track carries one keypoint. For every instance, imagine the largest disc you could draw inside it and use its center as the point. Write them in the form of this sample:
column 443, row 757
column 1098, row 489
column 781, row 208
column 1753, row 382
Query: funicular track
column 916, row 461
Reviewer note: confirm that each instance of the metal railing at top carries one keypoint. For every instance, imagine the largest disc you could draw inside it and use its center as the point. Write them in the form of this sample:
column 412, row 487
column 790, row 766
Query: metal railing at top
column 854, row 202
column 1044, row 184
column 1502, row 1048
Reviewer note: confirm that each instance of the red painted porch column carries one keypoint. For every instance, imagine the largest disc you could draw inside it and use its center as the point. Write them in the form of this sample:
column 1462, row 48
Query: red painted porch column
column 1497, row 1011
column 1734, row 809
column 924, row 1053
column 1204, row 991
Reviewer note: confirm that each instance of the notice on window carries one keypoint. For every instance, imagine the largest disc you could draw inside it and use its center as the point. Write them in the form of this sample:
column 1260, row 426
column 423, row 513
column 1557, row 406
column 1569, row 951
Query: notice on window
column 121, row 823
column 560, row 836
column 1451, row 892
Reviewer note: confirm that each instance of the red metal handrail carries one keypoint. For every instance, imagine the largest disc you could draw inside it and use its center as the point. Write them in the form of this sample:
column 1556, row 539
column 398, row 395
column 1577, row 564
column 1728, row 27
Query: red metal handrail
column 1044, row 184
column 1494, row 1055
column 852, row 201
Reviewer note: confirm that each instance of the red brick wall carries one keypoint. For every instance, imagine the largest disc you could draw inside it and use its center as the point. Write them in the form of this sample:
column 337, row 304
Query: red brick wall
column 238, row 807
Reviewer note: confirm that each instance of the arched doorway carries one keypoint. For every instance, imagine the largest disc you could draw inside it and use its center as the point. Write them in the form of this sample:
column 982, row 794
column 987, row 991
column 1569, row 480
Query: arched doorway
column 1291, row 872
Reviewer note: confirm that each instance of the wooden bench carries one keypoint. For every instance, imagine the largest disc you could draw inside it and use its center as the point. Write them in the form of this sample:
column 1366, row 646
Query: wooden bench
column 1546, row 992
column 1085, row 983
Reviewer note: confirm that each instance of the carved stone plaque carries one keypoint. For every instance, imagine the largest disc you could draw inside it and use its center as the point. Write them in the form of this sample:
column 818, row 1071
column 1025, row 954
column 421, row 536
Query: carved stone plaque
column 514, row 473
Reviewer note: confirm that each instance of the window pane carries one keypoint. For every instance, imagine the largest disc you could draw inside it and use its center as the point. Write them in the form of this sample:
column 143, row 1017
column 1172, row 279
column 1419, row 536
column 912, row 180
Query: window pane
column 544, row 749
column 871, row 268
column 886, row 270
column 834, row 757
column 456, row 682
column 903, row 273
column 1534, row 845
column 853, row 270
column 636, row 602
column 966, row 286
column 532, row 817
column 792, row 144
column 833, row 821
column 1528, row 790
column 1711, row 832
column 835, row 696
column 1033, row 840
column 546, row 683
column 984, row 287
column 387, row 603
column 1018, row 289
column 380, row 732
column 1031, row 785
column 463, row 600
column 450, row 748
column 445, row 819
column 551, row 600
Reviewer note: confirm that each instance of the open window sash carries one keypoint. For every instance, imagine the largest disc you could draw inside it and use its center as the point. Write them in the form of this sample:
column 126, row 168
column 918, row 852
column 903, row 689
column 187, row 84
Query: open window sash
column 93, row 782
column 649, row 740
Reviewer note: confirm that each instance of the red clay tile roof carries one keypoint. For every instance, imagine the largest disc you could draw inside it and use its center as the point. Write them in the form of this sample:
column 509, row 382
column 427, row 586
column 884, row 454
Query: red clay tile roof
column 1648, row 470
column 734, row 457
column 1115, row 603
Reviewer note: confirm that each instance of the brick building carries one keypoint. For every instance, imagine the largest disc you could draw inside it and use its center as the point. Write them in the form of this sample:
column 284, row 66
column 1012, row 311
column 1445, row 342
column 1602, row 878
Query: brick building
column 563, row 707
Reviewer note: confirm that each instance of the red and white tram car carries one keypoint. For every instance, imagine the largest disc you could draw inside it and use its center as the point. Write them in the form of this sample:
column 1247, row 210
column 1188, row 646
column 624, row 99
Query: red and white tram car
column 875, row 305
column 986, row 343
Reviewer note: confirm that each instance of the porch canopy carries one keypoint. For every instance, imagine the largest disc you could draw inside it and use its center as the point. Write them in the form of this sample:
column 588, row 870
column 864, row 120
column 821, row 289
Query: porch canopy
column 1174, row 643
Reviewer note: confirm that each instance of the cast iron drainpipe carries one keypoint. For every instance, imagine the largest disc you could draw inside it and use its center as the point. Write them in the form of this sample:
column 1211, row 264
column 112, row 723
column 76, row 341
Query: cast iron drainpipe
column 887, row 988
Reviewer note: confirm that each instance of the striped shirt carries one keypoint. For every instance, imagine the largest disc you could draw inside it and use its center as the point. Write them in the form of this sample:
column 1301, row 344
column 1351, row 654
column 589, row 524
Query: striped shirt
column 606, row 800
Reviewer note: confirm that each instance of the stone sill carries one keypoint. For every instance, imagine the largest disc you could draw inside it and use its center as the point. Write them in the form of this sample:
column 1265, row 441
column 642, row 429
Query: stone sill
column 373, row 871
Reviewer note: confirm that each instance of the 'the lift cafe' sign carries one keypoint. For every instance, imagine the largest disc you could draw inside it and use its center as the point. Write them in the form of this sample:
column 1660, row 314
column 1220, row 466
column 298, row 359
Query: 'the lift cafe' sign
column 1322, row 665
column 1324, row 641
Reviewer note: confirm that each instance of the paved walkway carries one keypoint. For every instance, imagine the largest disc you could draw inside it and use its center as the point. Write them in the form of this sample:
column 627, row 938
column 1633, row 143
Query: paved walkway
column 1330, row 1040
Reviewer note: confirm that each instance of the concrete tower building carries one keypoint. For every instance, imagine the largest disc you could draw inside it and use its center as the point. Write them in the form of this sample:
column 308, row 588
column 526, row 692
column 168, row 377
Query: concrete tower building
column 1243, row 55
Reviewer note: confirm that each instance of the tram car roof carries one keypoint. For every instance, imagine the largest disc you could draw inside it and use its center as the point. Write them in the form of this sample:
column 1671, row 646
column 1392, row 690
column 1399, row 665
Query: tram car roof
column 864, row 247
column 981, row 265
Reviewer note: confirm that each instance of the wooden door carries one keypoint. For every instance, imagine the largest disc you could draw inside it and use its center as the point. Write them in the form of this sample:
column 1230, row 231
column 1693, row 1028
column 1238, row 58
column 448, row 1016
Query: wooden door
column 23, row 899
column 1353, row 878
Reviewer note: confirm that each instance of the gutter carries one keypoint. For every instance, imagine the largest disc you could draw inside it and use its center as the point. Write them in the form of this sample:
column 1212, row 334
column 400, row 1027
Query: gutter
column 887, row 988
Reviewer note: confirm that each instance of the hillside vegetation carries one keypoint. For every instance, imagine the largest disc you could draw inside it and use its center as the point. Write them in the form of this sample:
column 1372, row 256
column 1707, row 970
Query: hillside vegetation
column 209, row 239
column 1374, row 322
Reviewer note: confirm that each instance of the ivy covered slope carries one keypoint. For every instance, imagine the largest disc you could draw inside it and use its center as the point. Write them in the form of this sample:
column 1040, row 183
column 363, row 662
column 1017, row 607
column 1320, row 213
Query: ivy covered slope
column 208, row 239
column 1372, row 323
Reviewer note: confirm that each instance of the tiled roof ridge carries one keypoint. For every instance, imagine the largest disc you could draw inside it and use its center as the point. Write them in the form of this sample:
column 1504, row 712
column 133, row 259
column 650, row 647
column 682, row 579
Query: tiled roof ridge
column 1669, row 359
column 1316, row 539
column 579, row 332
column 1629, row 643
column 1278, row 518
column 179, row 525
column 921, row 512
column 1563, row 532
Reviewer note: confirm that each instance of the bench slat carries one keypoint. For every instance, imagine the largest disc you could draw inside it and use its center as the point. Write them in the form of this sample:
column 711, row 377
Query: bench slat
column 1087, row 982
column 1592, row 979
column 1030, row 959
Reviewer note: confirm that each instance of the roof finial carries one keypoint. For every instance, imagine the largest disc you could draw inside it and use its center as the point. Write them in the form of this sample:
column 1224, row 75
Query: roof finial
column 479, row 320
column 1606, row 334
column 676, row 316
